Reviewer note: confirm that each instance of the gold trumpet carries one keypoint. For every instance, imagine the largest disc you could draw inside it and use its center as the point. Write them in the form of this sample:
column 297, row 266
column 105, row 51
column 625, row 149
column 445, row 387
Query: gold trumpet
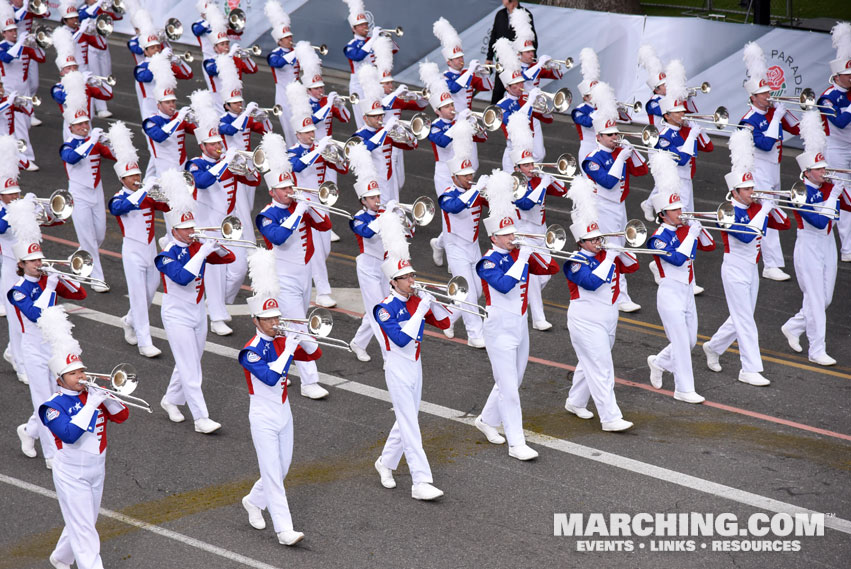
column 122, row 381
column 319, row 323
column 80, row 263
column 724, row 216
column 452, row 295
column 231, row 230
column 806, row 100
column 327, row 193
column 398, row 32
column 704, row 88
column 58, row 207
column 322, row 49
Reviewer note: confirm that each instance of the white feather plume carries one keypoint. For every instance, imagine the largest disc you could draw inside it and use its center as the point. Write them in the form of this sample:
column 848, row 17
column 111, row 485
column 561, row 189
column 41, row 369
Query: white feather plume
column 64, row 43
column 228, row 75
column 216, row 18
column 382, row 49
column 675, row 80
column 368, row 78
column 360, row 160
column 308, row 60
column 446, row 34
column 21, row 217
column 74, row 84
column 355, row 7
column 140, row 19
column 201, row 6
column 754, row 59
column 263, row 275
column 392, row 234
column 505, row 54
column 461, row 134
column 664, row 172
column 276, row 15
column 521, row 21
column 8, row 157
column 841, row 38
column 812, row 131
column 603, row 97
column 581, row 193
column 433, row 79
column 6, row 12
column 519, row 131
column 146, row 26
column 275, row 148
column 177, row 195
column 500, row 195
column 204, row 109
column 160, row 66
column 299, row 102
column 121, row 139
column 648, row 60
column 741, row 150
column 56, row 330
column 589, row 63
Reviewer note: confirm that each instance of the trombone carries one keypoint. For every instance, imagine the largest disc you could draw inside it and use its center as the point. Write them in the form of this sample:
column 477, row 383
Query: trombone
column 560, row 101
column 554, row 239
column 236, row 20
column 231, row 230
column 122, row 382
column 319, row 324
column 322, row 49
column 398, row 32
column 565, row 164
column 58, row 207
column 720, row 118
column 452, row 295
column 635, row 234
column 80, row 264
column 421, row 211
column 806, row 100
column 794, row 199
column 724, row 216
column 636, row 107
column 327, row 193
column 649, row 135
column 704, row 88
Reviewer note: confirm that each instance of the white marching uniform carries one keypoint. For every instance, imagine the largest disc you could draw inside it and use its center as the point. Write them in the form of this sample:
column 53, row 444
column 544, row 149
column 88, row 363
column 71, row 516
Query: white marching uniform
column 8, row 277
column 838, row 151
column 381, row 148
column 14, row 74
column 358, row 57
column 285, row 69
column 371, row 281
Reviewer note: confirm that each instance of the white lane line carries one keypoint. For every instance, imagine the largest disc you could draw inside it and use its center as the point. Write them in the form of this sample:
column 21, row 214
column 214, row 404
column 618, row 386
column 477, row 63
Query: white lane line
column 185, row 539
column 582, row 451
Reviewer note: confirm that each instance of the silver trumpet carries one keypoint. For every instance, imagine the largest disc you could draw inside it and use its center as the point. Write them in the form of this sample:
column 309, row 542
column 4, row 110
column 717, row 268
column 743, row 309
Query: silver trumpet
column 414, row 95
column 724, row 216
column 80, row 264
column 421, row 211
column 236, row 20
column 58, row 207
column 452, row 295
column 122, row 381
column 21, row 100
column 490, row 67
column 319, row 323
column 248, row 52
column 98, row 80
column 264, row 112
column 231, row 230
column 397, row 31
column 353, row 98
column 322, row 49
column 157, row 192
column 635, row 107
column 327, row 194
column 704, row 88
column 185, row 56
column 418, row 127
column 560, row 101
column 43, row 35
column 566, row 62
column 806, row 100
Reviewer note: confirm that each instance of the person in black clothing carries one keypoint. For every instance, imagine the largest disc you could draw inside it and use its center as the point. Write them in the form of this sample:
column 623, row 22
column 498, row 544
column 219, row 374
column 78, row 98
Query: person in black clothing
column 501, row 29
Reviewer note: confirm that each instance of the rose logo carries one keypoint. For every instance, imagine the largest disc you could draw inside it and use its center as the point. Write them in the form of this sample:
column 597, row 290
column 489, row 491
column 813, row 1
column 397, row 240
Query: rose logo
column 776, row 79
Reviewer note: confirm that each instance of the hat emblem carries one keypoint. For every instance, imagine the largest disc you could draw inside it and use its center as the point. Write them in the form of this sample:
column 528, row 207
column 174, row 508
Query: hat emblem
column 466, row 164
column 168, row 91
column 674, row 198
column 153, row 38
column 236, row 93
column 187, row 217
column 592, row 84
column 375, row 105
column 528, row 43
column 213, row 132
column 285, row 30
column 610, row 123
column 403, row 263
column 456, row 49
column 592, row 227
column 373, row 185
column 34, row 248
column 307, row 122
column 747, row 177
column 270, row 304
column 445, row 96
column 317, row 78
column 10, row 22
column 81, row 113
column 131, row 166
column 662, row 75
column 819, row 157
column 505, row 222
column 71, row 59
column 526, row 154
column 516, row 74
column 71, row 358
column 11, row 183
column 848, row 64
column 221, row 35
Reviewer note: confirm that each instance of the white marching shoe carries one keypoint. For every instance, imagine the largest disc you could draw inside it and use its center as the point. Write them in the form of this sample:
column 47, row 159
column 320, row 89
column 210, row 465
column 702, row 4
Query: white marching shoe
column 104, row 114
column 491, row 433
column 386, row 474
column 58, row 564
column 48, row 463
column 206, row 426
column 846, row 258
column 823, row 360
column 753, row 378
column 697, row 289
column 450, row 332
column 629, row 306
column 219, row 328
column 436, row 252
column 522, row 452
column 255, row 514
column 129, row 332
column 289, row 537
column 691, row 397
column 615, row 426
column 655, row 270
column 35, row 121
column 647, row 210
column 541, row 325
column 655, row 372
column 100, row 287
column 150, row 351
column 775, row 274
column 425, row 491
column 27, row 442
column 580, row 412
column 477, row 343
column 313, row 391
column 325, row 301
column 334, row 237
column 359, row 352
column 174, row 414
column 32, row 167
column 793, row 339
column 712, row 359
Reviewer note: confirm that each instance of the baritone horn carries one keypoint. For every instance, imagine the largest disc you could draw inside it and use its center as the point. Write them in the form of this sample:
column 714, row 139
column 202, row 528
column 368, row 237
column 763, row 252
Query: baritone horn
column 490, row 119
column 122, row 381
column 37, row 7
column 157, row 193
column 44, row 36
column 319, row 324
column 452, row 295
column 58, row 207
column 104, row 25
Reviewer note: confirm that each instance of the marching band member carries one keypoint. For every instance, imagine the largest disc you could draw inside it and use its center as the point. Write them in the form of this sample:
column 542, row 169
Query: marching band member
column 284, row 62
column 25, row 19
column 371, row 282
column 8, row 110
column 77, row 417
column 402, row 316
column 134, row 210
column 183, row 263
column 461, row 206
column 266, row 360
column 675, row 297
column 309, row 169
column 144, row 75
column 236, row 125
column 16, row 52
column 656, row 80
column 286, row 225
column 837, row 123
column 216, row 186
column 9, row 192
column 82, row 154
column 815, row 247
column 504, row 271
column 592, row 316
column 739, row 269
column 100, row 62
column 166, row 128
column 531, row 212
column 31, row 294
column 610, row 167
column 768, row 121
column 359, row 53
column 581, row 115
column 516, row 100
column 376, row 132
column 211, row 28
column 222, row 46
column 85, row 36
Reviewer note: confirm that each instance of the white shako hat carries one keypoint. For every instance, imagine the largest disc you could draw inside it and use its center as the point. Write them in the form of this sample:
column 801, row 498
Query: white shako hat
column 605, row 118
column 372, row 90
column 63, row 43
column 264, row 284
column 126, row 156
column 524, row 35
column 676, row 92
column 179, row 199
column 506, row 56
column 815, row 140
column 360, row 160
column 311, row 65
column 742, row 160
column 397, row 258
column 280, row 170
column 75, row 110
column 301, row 113
column 165, row 82
column 650, row 62
column 667, row 181
column 520, row 134
column 584, row 212
column 9, row 165
column 841, row 37
column 461, row 162
column 64, row 349
column 435, row 82
column 502, row 218
column 589, row 65
column 357, row 12
column 757, row 69
column 382, row 50
column 205, row 111
column 231, row 84
column 279, row 20
column 450, row 41
column 21, row 216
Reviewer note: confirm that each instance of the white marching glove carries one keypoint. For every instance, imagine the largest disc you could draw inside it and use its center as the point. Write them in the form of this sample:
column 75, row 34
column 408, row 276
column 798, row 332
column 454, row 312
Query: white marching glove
column 426, row 299
column 207, row 247
column 52, row 281
column 544, row 59
column 695, row 229
column 390, row 122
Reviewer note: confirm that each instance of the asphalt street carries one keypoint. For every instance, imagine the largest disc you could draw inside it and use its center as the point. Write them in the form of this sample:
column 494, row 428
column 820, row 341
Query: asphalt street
column 173, row 496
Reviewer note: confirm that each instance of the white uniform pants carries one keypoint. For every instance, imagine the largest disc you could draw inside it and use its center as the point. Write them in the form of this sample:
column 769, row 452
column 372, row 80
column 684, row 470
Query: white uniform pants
column 79, row 487
column 215, row 276
column 142, row 280
column 442, row 180
column 235, row 272
column 293, row 300
column 405, row 383
column 536, row 282
column 815, row 267
column 89, row 217
column 42, row 385
column 675, row 303
column 741, row 287
column 839, row 156
column 100, row 64
column 462, row 258
column 318, row 266
column 592, row 328
column 286, row 117
column 397, row 157
column 507, row 344
column 612, row 218
column 22, row 132
column 272, row 433
column 373, row 289
column 766, row 176
column 8, row 278
column 186, row 329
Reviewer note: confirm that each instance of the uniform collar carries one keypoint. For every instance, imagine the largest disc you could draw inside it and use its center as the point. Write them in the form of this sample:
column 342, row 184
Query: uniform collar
column 738, row 204
column 666, row 124
column 809, row 184
column 276, row 203
column 71, row 392
column 840, row 89
column 32, row 279
column 604, row 149
column 500, row 250
column 756, row 110
column 668, row 226
column 264, row 336
column 399, row 296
